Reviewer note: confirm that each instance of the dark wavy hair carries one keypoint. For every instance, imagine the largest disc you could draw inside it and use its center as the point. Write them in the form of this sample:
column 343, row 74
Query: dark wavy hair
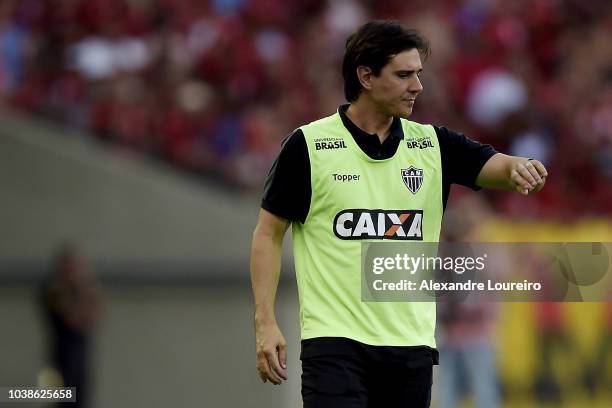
column 373, row 45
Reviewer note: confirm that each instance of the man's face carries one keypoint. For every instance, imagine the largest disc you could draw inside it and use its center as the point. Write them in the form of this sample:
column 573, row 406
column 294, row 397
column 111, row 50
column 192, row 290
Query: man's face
column 397, row 86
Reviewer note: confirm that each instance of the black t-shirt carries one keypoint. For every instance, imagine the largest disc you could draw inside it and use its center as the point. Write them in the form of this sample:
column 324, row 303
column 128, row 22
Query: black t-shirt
column 287, row 190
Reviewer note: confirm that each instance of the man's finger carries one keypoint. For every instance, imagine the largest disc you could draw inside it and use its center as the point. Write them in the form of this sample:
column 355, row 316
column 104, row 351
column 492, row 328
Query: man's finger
column 264, row 368
column 526, row 175
column 282, row 355
column 274, row 362
column 270, row 371
column 540, row 168
column 520, row 182
column 533, row 171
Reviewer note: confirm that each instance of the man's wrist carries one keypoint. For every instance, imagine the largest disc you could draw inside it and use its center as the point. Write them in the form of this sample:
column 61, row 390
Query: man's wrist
column 264, row 318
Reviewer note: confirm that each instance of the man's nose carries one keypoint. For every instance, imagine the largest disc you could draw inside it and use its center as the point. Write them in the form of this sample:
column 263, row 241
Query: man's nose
column 416, row 86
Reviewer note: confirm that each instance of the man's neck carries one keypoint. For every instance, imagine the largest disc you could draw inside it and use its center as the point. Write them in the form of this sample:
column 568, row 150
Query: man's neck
column 365, row 116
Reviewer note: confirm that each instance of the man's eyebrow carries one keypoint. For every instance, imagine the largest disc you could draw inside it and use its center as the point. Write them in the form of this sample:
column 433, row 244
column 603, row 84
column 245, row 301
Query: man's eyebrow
column 409, row 71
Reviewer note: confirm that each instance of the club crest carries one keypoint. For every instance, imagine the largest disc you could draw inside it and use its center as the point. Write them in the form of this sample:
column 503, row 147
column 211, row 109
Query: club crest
column 413, row 178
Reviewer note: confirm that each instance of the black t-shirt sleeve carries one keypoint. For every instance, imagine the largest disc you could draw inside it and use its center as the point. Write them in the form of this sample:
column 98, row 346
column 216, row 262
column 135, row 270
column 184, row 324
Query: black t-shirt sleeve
column 462, row 157
column 287, row 189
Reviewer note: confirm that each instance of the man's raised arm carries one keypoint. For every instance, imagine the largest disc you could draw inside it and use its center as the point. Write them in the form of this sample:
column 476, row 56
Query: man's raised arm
column 266, row 251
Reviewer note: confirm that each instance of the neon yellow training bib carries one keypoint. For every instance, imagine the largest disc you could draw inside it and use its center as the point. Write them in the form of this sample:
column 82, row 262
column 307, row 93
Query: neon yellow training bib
column 356, row 198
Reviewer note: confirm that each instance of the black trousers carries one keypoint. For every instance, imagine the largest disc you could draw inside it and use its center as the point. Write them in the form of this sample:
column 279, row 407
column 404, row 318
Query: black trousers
column 354, row 375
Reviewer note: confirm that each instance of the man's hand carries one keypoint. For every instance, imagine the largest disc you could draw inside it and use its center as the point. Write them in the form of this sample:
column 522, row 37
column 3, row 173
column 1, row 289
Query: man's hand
column 529, row 176
column 512, row 173
column 271, row 352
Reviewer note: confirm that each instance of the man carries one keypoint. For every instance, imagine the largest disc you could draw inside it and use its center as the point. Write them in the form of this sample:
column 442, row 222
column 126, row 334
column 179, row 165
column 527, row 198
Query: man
column 72, row 301
column 364, row 173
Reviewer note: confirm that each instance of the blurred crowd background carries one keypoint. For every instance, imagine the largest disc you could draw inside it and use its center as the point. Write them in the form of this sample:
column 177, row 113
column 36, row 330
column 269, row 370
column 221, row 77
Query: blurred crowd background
column 214, row 86
column 211, row 88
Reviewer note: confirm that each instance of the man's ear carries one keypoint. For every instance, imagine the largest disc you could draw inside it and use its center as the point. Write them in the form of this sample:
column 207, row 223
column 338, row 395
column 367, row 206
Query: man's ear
column 365, row 76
